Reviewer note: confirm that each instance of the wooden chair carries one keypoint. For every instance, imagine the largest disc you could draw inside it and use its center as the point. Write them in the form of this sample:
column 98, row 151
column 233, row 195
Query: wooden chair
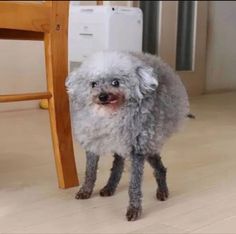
column 47, row 21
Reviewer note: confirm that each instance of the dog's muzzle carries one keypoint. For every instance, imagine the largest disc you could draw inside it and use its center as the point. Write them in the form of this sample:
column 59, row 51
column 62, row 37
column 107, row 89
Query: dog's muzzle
column 105, row 98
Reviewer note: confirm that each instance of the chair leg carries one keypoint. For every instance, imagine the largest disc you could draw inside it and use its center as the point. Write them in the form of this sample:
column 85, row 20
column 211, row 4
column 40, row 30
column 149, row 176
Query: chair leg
column 57, row 69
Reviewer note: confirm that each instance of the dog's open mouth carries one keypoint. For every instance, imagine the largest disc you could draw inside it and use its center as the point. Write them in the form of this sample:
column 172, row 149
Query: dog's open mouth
column 111, row 99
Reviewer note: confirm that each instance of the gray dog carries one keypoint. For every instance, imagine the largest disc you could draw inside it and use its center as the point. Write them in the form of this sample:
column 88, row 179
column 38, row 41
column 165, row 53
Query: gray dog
column 127, row 104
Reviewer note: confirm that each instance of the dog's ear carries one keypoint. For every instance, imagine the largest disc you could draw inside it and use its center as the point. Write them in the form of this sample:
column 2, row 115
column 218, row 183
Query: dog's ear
column 71, row 84
column 147, row 79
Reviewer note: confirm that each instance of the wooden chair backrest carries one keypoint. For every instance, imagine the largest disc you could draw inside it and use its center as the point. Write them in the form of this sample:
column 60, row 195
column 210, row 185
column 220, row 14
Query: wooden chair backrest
column 31, row 20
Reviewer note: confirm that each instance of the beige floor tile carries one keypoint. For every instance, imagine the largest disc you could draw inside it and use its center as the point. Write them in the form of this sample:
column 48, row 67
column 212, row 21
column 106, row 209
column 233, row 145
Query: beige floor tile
column 155, row 228
column 227, row 225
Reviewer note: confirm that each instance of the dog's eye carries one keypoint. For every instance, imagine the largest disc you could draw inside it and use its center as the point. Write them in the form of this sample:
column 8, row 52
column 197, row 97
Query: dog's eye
column 115, row 83
column 94, row 84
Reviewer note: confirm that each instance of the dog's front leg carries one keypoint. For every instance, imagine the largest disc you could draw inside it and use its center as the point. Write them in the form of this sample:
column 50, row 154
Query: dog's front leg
column 115, row 176
column 135, row 193
column 90, row 176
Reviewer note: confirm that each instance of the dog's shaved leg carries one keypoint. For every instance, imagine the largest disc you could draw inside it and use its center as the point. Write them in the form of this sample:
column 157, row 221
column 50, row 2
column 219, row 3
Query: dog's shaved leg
column 135, row 193
column 115, row 176
column 90, row 176
column 160, row 176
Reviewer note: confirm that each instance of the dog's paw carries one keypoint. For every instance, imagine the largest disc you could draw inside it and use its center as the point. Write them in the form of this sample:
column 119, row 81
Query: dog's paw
column 133, row 213
column 162, row 195
column 83, row 195
column 106, row 192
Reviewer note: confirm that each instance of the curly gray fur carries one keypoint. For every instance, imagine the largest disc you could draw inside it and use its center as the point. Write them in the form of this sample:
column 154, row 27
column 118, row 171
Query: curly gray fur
column 152, row 106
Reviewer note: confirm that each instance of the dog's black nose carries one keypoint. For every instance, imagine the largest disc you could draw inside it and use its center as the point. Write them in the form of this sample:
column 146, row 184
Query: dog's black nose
column 103, row 97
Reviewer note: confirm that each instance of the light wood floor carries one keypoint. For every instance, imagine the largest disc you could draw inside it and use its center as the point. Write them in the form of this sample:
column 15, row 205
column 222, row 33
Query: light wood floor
column 201, row 162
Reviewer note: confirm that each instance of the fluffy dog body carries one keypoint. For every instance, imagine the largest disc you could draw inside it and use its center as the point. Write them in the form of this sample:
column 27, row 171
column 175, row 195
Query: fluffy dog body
column 127, row 104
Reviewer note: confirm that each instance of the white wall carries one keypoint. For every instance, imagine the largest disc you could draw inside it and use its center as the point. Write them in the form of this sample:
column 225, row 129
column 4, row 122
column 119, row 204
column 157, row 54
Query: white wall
column 221, row 46
column 22, row 69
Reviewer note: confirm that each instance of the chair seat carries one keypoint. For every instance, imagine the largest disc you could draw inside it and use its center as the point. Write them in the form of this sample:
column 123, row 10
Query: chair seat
column 25, row 16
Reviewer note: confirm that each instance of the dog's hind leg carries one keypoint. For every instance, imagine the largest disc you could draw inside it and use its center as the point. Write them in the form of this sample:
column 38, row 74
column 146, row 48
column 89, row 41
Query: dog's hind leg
column 115, row 176
column 160, row 176
column 135, row 193
column 90, row 176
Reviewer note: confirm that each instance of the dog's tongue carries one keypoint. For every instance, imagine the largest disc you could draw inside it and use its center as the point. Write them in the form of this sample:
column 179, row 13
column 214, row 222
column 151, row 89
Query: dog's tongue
column 112, row 98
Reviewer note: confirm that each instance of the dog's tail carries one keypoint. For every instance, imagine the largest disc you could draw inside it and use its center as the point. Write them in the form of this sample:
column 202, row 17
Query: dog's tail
column 191, row 116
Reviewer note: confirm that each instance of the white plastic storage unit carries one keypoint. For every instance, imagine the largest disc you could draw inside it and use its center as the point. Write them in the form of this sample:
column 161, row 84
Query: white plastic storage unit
column 96, row 28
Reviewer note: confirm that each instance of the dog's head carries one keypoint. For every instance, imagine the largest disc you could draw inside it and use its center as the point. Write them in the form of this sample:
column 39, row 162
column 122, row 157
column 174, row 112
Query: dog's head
column 110, row 80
